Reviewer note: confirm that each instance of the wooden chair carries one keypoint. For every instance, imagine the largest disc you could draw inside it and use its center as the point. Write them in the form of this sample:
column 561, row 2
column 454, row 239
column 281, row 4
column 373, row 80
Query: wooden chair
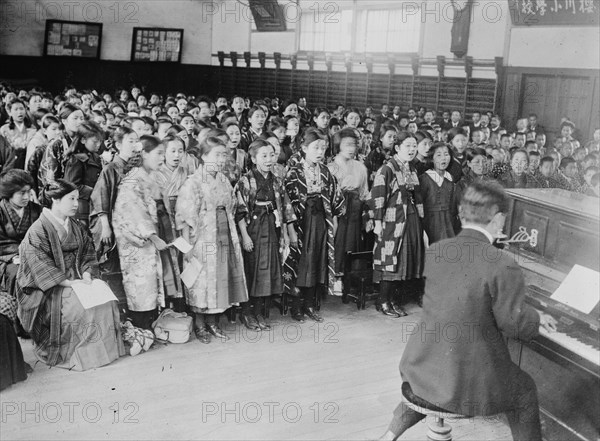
column 358, row 279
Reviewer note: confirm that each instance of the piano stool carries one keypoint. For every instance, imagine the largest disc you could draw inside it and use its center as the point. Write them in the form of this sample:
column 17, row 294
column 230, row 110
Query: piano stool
column 437, row 427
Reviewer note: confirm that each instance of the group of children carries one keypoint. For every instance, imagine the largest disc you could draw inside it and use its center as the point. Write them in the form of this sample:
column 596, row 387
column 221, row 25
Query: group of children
column 200, row 205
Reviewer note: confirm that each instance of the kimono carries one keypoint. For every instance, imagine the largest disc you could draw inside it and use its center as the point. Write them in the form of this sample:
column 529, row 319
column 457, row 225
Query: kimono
column 38, row 140
column 169, row 182
column 236, row 166
column 333, row 203
column 264, row 222
column 52, row 164
column 60, row 327
column 134, row 221
column 248, row 137
column 511, row 180
column 374, row 161
column 440, row 206
column 18, row 139
column 353, row 183
column 8, row 157
column 399, row 250
column 102, row 202
column 206, row 205
column 83, row 170
column 12, row 231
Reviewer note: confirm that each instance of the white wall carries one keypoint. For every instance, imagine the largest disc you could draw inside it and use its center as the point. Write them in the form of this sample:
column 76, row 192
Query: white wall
column 22, row 24
column 555, row 47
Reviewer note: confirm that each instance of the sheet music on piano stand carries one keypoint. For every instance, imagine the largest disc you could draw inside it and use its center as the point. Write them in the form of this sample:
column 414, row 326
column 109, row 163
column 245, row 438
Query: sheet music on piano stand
column 580, row 289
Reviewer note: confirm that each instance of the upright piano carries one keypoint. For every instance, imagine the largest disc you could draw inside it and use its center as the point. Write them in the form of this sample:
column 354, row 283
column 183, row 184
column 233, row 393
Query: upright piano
column 566, row 364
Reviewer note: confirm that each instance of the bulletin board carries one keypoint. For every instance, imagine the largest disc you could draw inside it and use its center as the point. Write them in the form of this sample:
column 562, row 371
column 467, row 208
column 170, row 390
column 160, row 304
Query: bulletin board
column 157, row 45
column 75, row 39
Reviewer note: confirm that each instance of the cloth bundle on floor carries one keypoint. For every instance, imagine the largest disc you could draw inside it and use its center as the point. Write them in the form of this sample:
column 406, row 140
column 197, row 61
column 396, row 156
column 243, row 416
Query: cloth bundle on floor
column 139, row 340
column 174, row 327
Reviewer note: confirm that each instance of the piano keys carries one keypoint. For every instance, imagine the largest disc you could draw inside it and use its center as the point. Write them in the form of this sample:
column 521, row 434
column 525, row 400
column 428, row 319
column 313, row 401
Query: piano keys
column 565, row 365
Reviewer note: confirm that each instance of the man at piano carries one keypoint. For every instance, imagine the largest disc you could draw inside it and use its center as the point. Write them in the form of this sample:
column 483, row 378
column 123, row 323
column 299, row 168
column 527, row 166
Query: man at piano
column 456, row 359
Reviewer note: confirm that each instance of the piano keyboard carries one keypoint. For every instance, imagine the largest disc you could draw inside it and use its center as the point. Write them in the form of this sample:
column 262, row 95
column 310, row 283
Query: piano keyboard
column 588, row 352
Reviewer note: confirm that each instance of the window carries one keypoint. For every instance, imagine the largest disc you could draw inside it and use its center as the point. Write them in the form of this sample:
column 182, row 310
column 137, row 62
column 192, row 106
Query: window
column 329, row 32
column 361, row 30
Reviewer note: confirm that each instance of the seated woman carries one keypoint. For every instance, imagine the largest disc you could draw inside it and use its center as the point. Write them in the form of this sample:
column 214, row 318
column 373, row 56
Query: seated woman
column 17, row 214
column 55, row 253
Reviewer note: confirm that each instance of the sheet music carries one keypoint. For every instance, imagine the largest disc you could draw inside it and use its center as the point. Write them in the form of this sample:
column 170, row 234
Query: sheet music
column 191, row 272
column 94, row 294
column 580, row 289
column 181, row 244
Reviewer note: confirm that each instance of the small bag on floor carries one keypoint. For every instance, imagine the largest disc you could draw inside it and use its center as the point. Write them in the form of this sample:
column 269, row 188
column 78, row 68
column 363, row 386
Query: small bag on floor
column 174, row 327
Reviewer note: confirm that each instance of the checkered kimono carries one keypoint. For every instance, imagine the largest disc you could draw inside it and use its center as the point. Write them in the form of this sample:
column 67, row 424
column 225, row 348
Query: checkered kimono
column 395, row 185
column 42, row 269
column 334, row 204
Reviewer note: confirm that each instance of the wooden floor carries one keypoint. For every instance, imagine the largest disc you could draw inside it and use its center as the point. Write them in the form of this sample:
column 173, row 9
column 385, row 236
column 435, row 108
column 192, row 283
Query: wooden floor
column 334, row 380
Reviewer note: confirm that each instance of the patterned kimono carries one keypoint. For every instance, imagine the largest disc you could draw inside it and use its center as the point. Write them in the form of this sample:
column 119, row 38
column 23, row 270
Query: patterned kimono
column 264, row 222
column 12, row 232
column 18, row 139
column 64, row 333
column 236, row 166
column 399, row 251
column 52, row 165
column 169, row 182
column 334, row 205
column 207, row 205
column 134, row 221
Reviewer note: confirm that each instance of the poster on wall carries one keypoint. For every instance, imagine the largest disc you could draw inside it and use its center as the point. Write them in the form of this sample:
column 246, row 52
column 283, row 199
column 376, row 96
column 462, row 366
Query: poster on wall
column 72, row 39
column 160, row 45
column 555, row 12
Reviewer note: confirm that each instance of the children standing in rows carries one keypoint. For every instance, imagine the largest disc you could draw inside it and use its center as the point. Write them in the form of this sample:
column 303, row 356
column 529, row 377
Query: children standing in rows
column 315, row 204
column 399, row 251
column 205, row 216
column 260, row 195
column 352, row 181
column 136, row 232
column 439, row 196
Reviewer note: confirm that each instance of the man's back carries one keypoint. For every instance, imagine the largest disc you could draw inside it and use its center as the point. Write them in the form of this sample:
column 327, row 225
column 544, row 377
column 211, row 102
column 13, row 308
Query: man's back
column 456, row 357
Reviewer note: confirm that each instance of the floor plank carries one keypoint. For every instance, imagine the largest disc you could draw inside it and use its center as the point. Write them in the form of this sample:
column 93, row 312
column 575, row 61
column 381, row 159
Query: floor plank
column 335, row 380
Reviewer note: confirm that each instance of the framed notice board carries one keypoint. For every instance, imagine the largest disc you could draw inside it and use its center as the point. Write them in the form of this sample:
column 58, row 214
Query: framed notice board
column 160, row 45
column 77, row 39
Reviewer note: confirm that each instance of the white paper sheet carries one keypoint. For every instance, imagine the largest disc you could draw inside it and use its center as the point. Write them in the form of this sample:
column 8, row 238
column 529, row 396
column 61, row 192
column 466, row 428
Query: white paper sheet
column 181, row 244
column 191, row 272
column 580, row 289
column 94, row 294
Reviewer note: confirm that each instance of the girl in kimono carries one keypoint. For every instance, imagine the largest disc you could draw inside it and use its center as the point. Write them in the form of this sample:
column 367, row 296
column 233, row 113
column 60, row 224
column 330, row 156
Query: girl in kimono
column 351, row 176
column 169, row 179
column 277, row 168
column 17, row 214
column 260, row 218
column 18, row 131
column 205, row 215
column 50, row 131
column 104, row 196
column 477, row 164
column 421, row 161
column 382, row 151
column 52, row 164
column 256, row 120
column 236, row 164
column 439, row 196
column 459, row 141
column 399, row 251
column 136, row 231
column 237, row 155
column 55, row 253
column 315, row 204
column 83, row 165
column 518, row 176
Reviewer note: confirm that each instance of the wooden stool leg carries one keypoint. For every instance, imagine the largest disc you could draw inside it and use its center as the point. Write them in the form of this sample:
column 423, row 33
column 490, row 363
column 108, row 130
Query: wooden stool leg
column 438, row 430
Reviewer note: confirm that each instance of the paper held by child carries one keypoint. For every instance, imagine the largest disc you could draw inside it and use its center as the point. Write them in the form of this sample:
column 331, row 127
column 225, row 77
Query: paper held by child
column 182, row 245
column 92, row 294
column 191, row 272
